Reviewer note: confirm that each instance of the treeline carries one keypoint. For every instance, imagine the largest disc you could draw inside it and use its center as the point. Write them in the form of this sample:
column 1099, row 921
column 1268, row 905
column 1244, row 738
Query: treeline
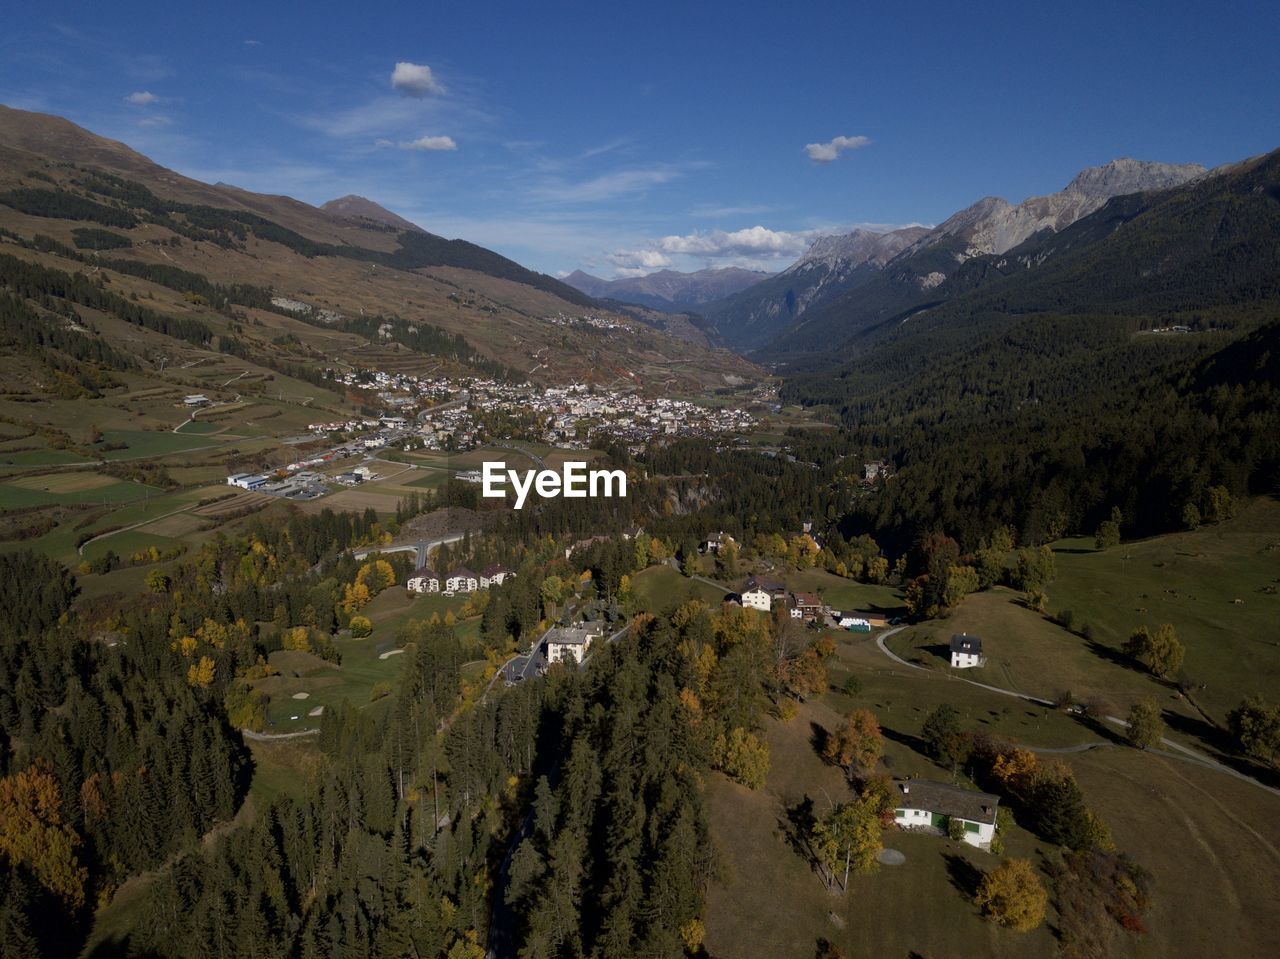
column 43, row 284
column 22, row 330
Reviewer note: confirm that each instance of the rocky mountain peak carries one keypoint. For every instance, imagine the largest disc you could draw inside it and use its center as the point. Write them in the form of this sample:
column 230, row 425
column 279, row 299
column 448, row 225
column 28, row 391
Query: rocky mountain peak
column 1126, row 175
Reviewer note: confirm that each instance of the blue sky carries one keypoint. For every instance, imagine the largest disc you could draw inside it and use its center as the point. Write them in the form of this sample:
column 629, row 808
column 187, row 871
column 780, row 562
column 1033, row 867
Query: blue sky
column 625, row 138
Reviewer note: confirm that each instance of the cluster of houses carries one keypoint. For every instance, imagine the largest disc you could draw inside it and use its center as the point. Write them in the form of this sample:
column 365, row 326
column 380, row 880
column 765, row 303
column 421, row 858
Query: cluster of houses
column 459, row 580
column 764, row 595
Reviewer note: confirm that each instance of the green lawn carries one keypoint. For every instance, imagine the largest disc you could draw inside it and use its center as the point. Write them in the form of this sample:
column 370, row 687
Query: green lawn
column 846, row 594
column 661, row 589
column 1191, row 580
column 146, row 443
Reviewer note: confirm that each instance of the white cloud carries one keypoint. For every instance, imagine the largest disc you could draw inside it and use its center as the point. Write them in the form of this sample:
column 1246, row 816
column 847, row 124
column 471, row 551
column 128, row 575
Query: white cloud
column 755, row 241
column 425, row 144
column 430, row 144
column 415, row 80
column 142, row 98
column 638, row 262
column 826, row 152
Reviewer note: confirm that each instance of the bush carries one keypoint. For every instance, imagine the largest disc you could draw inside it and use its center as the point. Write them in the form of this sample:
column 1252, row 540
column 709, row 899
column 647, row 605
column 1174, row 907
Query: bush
column 360, row 627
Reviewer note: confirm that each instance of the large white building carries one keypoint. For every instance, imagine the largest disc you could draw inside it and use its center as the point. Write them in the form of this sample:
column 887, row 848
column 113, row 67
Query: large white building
column 566, row 643
column 757, row 598
column 423, row 580
column 461, row 580
column 925, row 804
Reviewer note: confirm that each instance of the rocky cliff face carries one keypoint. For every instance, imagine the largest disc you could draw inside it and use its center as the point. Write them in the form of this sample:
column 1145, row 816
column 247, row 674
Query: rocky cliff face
column 993, row 225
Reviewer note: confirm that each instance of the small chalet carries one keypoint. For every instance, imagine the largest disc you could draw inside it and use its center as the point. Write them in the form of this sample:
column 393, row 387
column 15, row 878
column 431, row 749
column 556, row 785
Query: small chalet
column 808, row 605
column 495, row 574
column 461, row 580
column 423, row 580
column 966, row 651
column 925, row 804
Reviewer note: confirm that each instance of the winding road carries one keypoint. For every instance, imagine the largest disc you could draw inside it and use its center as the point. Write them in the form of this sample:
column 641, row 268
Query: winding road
column 1173, row 750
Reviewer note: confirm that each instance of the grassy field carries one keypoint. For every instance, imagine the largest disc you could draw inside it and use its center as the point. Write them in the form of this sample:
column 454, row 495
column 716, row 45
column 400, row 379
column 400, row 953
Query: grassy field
column 845, row 594
column 661, row 589
column 1029, row 654
column 1192, row 580
column 772, row 903
column 147, row 443
column 1175, row 818
column 73, row 488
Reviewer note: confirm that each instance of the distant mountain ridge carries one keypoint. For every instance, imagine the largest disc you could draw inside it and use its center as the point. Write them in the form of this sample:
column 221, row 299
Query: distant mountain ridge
column 913, row 277
column 669, row 290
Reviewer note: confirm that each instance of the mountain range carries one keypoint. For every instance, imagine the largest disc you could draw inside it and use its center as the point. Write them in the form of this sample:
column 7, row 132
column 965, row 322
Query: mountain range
column 843, row 283
column 669, row 290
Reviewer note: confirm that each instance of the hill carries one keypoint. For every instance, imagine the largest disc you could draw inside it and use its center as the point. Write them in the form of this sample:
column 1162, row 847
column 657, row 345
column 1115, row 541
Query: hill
column 1040, row 395
column 831, row 266
column 75, row 202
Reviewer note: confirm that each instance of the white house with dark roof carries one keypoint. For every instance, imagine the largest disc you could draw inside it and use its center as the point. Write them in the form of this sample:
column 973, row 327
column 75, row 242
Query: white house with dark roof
column 461, row 580
column 966, row 651
column 928, row 805
column 495, row 574
column 757, row 598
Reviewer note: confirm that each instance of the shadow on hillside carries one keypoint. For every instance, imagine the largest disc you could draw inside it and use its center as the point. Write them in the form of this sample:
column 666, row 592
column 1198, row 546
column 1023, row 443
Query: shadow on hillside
column 1221, row 747
column 1111, row 655
column 963, row 874
column 914, row 743
column 818, row 736
column 940, row 650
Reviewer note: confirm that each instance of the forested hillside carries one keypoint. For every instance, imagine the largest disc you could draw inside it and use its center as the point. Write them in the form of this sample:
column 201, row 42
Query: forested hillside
column 1041, row 398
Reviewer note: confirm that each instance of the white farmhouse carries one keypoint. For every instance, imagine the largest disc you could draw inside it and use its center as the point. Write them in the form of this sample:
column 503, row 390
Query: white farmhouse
column 495, row 575
column 925, row 804
column 423, row 580
column 757, row 598
column 966, row 651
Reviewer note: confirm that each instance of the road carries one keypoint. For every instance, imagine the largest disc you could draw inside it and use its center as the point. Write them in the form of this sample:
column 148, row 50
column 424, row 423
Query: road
column 1172, row 750
column 422, row 549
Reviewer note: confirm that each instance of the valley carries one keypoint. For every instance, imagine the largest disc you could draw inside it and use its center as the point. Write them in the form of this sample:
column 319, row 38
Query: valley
column 921, row 598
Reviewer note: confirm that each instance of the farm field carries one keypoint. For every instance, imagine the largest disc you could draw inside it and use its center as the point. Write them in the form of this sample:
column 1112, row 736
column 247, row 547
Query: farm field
column 72, row 488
